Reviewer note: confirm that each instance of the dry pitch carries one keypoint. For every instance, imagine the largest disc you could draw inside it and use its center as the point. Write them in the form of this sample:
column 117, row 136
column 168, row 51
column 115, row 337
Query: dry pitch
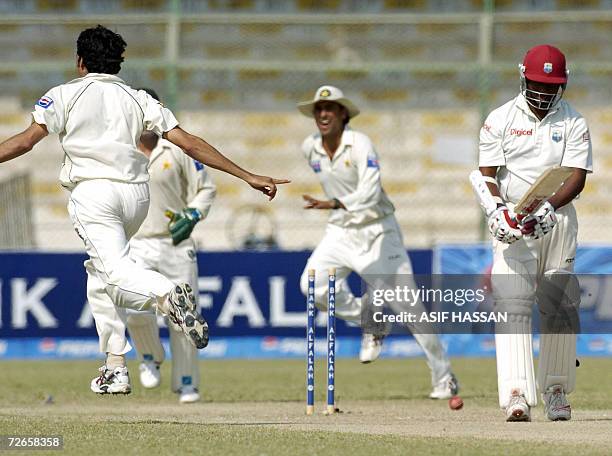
column 257, row 407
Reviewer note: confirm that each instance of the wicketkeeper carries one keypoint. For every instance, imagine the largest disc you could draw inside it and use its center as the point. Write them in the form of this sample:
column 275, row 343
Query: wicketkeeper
column 182, row 193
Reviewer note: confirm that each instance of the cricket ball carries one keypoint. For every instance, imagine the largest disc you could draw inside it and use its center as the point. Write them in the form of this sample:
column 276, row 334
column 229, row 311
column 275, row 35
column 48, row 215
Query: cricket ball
column 455, row 403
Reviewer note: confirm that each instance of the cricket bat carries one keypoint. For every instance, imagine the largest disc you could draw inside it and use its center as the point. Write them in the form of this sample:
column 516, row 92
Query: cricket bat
column 549, row 183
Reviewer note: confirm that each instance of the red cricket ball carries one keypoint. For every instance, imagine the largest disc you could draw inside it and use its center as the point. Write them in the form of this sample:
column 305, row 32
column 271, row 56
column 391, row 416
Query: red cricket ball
column 455, row 403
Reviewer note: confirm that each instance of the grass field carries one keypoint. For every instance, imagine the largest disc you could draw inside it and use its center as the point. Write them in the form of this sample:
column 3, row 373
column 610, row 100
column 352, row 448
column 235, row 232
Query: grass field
column 257, row 407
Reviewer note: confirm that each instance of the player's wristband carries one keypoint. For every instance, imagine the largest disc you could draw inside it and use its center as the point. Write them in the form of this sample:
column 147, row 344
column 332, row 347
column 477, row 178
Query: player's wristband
column 337, row 203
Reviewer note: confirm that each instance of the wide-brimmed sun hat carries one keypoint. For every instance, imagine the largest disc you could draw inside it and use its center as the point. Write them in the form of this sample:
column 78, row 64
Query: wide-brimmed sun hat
column 328, row 93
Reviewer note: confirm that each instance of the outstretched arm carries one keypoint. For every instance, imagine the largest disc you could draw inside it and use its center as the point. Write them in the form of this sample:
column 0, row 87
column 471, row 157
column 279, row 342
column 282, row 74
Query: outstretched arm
column 203, row 152
column 22, row 142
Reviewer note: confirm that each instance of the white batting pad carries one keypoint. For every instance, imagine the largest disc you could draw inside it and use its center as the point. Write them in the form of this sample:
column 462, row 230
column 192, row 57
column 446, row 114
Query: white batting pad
column 185, row 369
column 514, row 353
column 557, row 363
column 144, row 333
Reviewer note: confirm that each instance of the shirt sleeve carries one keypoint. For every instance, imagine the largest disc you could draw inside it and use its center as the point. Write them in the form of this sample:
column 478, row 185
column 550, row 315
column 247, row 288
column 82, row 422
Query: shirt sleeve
column 578, row 150
column 369, row 188
column 490, row 148
column 49, row 111
column 200, row 190
column 158, row 118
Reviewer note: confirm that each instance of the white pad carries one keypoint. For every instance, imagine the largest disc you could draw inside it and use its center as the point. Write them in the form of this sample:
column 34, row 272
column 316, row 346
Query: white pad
column 514, row 353
column 145, row 336
column 185, row 368
column 557, row 364
column 561, row 299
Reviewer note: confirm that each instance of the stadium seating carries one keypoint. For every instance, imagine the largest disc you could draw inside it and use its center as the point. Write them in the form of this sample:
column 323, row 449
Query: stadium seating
column 433, row 199
column 424, row 121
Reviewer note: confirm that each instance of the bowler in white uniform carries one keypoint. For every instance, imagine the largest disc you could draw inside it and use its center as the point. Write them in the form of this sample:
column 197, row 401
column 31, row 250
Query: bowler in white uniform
column 362, row 234
column 99, row 120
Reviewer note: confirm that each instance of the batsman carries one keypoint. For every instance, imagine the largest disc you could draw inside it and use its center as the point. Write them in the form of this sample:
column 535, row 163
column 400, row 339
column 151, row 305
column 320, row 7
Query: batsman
column 534, row 255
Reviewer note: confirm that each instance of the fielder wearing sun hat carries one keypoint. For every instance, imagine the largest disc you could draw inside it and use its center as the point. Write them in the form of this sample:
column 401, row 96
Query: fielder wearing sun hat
column 328, row 93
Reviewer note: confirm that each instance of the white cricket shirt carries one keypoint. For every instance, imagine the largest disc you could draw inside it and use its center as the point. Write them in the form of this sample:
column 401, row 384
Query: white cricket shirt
column 353, row 176
column 99, row 120
column 177, row 181
column 523, row 147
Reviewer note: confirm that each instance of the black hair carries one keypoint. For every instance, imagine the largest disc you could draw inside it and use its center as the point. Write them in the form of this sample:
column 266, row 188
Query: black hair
column 151, row 92
column 101, row 50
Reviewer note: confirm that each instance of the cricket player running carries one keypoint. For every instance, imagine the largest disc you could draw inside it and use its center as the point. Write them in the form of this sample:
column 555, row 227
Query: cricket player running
column 99, row 120
column 181, row 188
column 362, row 233
column 518, row 142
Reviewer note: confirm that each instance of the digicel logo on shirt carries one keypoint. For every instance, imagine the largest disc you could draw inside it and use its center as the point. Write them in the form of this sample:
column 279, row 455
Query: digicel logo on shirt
column 521, row 132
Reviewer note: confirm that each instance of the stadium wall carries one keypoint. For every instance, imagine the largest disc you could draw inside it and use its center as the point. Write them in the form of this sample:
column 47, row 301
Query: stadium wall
column 253, row 303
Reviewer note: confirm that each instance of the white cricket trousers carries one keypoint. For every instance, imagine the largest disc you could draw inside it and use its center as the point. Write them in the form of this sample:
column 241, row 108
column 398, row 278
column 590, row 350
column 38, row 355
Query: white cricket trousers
column 518, row 270
column 375, row 249
column 179, row 264
column 105, row 215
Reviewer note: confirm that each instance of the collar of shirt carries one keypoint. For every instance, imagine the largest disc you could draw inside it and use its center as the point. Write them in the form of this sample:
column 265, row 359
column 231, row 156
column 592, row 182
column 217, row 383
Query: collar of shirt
column 98, row 77
column 346, row 142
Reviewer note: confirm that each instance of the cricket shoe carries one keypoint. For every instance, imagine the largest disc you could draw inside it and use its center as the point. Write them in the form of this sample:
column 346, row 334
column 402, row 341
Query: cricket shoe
column 517, row 409
column 180, row 307
column 446, row 388
column 188, row 395
column 556, row 406
column 371, row 346
column 116, row 381
column 150, row 376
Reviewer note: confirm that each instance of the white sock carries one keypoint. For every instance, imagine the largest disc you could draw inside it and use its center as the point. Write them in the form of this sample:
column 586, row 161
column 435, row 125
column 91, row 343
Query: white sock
column 114, row 361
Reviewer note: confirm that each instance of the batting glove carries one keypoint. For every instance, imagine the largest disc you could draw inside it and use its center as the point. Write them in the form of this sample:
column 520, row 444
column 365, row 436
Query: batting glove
column 503, row 226
column 181, row 224
column 541, row 222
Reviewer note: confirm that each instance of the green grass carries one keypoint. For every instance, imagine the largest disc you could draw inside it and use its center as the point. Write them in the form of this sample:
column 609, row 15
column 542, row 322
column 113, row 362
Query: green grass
column 387, row 393
column 162, row 438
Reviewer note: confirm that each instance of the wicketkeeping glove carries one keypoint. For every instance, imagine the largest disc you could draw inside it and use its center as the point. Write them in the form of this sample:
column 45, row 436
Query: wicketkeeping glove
column 503, row 226
column 541, row 222
column 181, row 224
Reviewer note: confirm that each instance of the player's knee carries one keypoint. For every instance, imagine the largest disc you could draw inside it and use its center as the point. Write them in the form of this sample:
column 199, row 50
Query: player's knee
column 514, row 306
column 560, row 286
column 558, row 298
column 512, row 287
